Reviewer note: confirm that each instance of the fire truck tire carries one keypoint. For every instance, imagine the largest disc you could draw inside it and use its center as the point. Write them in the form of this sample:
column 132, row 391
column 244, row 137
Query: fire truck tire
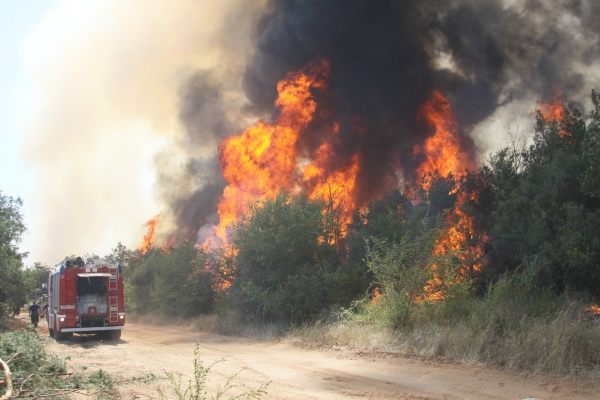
column 62, row 335
column 112, row 335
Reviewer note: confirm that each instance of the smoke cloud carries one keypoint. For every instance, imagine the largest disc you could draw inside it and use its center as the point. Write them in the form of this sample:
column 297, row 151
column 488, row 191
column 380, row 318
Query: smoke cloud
column 387, row 57
column 491, row 59
column 139, row 95
column 102, row 119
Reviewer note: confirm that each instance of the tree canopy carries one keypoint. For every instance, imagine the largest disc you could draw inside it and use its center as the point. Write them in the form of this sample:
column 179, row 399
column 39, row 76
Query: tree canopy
column 12, row 226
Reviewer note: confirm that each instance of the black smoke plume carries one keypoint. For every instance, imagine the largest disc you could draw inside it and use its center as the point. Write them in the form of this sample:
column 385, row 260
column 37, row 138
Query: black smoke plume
column 387, row 57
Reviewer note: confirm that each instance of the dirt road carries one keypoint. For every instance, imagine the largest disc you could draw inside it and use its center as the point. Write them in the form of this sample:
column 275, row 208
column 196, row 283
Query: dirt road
column 301, row 372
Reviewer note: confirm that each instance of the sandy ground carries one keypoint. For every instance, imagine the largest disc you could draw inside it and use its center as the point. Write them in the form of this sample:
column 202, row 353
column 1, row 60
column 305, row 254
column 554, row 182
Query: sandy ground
column 299, row 371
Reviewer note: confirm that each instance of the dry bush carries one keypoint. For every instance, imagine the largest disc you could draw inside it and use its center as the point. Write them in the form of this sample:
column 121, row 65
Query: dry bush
column 566, row 343
column 157, row 320
column 229, row 323
column 233, row 325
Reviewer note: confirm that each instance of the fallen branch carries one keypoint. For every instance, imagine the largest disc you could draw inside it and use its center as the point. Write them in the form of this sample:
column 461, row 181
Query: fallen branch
column 23, row 382
column 8, row 393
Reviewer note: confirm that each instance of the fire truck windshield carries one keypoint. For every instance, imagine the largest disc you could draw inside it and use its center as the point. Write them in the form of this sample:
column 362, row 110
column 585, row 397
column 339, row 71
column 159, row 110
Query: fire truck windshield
column 91, row 285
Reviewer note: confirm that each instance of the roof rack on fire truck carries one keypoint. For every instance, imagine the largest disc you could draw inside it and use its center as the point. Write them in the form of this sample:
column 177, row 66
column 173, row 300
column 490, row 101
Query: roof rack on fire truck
column 71, row 262
column 78, row 262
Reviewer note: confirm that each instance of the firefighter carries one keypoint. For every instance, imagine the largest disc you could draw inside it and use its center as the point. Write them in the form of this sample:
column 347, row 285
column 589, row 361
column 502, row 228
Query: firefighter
column 34, row 313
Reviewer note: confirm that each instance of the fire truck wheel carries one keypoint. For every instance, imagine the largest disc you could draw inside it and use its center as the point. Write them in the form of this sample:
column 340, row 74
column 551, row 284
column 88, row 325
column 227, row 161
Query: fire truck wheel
column 62, row 335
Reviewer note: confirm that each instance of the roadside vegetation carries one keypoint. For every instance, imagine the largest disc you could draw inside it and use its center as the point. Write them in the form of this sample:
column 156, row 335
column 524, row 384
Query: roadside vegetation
column 30, row 372
column 500, row 266
column 18, row 284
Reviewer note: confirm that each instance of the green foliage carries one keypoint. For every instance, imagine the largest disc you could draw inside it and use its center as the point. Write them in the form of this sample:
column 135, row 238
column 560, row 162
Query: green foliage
column 411, row 276
column 182, row 285
column 12, row 225
column 590, row 179
column 12, row 285
column 37, row 374
column 196, row 390
column 26, row 354
column 546, row 206
column 287, row 263
column 517, row 295
column 174, row 283
column 34, row 278
column 537, row 212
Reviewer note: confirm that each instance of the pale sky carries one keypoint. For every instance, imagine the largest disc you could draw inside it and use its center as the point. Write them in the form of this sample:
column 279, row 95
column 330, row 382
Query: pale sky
column 17, row 18
column 88, row 101
column 84, row 172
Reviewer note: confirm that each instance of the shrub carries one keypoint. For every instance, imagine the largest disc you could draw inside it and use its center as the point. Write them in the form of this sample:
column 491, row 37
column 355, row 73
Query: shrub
column 287, row 265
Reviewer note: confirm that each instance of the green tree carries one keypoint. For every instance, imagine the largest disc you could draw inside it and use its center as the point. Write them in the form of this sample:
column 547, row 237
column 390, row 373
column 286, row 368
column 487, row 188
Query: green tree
column 590, row 180
column 409, row 274
column 182, row 285
column 35, row 277
column 546, row 205
column 174, row 283
column 287, row 262
column 12, row 227
column 139, row 280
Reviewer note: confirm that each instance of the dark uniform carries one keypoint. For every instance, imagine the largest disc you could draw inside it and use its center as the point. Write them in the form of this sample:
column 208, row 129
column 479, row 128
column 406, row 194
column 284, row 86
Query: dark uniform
column 34, row 313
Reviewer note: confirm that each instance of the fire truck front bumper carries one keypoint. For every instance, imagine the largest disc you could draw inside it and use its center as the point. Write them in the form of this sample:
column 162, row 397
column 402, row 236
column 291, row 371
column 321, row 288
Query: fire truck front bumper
column 93, row 329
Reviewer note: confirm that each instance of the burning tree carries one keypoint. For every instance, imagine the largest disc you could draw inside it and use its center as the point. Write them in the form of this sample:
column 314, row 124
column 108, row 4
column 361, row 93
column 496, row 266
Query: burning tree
column 285, row 155
column 363, row 101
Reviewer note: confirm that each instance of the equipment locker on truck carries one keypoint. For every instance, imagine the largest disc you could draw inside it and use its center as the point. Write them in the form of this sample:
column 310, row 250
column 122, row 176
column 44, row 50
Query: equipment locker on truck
column 85, row 297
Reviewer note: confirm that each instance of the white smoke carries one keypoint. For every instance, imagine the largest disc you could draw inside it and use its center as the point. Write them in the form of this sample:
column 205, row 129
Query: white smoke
column 103, row 102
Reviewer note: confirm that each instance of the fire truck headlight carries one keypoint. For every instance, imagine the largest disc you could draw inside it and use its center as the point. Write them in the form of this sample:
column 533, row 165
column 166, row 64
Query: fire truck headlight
column 62, row 320
column 122, row 317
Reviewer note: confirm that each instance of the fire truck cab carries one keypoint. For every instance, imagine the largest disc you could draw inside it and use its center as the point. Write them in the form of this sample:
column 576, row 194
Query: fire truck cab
column 85, row 297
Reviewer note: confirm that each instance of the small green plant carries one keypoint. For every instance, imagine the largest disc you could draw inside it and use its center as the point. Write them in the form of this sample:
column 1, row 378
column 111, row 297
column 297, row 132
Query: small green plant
column 196, row 390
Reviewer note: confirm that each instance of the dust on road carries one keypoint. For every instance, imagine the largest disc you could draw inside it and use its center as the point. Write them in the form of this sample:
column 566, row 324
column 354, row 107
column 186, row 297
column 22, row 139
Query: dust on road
column 300, row 371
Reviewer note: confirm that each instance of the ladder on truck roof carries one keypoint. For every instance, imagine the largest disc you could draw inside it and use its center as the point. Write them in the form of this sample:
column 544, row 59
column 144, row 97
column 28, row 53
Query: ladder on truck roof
column 113, row 295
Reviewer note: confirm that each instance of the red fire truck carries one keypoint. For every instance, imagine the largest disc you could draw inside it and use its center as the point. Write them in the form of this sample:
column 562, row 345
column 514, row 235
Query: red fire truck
column 85, row 297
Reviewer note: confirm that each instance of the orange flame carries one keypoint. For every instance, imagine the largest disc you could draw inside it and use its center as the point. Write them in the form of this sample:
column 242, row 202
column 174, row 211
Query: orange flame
column 594, row 309
column 170, row 244
column 148, row 241
column 554, row 111
column 441, row 152
column 375, row 296
column 461, row 240
column 219, row 268
column 266, row 157
column 262, row 160
column 336, row 187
